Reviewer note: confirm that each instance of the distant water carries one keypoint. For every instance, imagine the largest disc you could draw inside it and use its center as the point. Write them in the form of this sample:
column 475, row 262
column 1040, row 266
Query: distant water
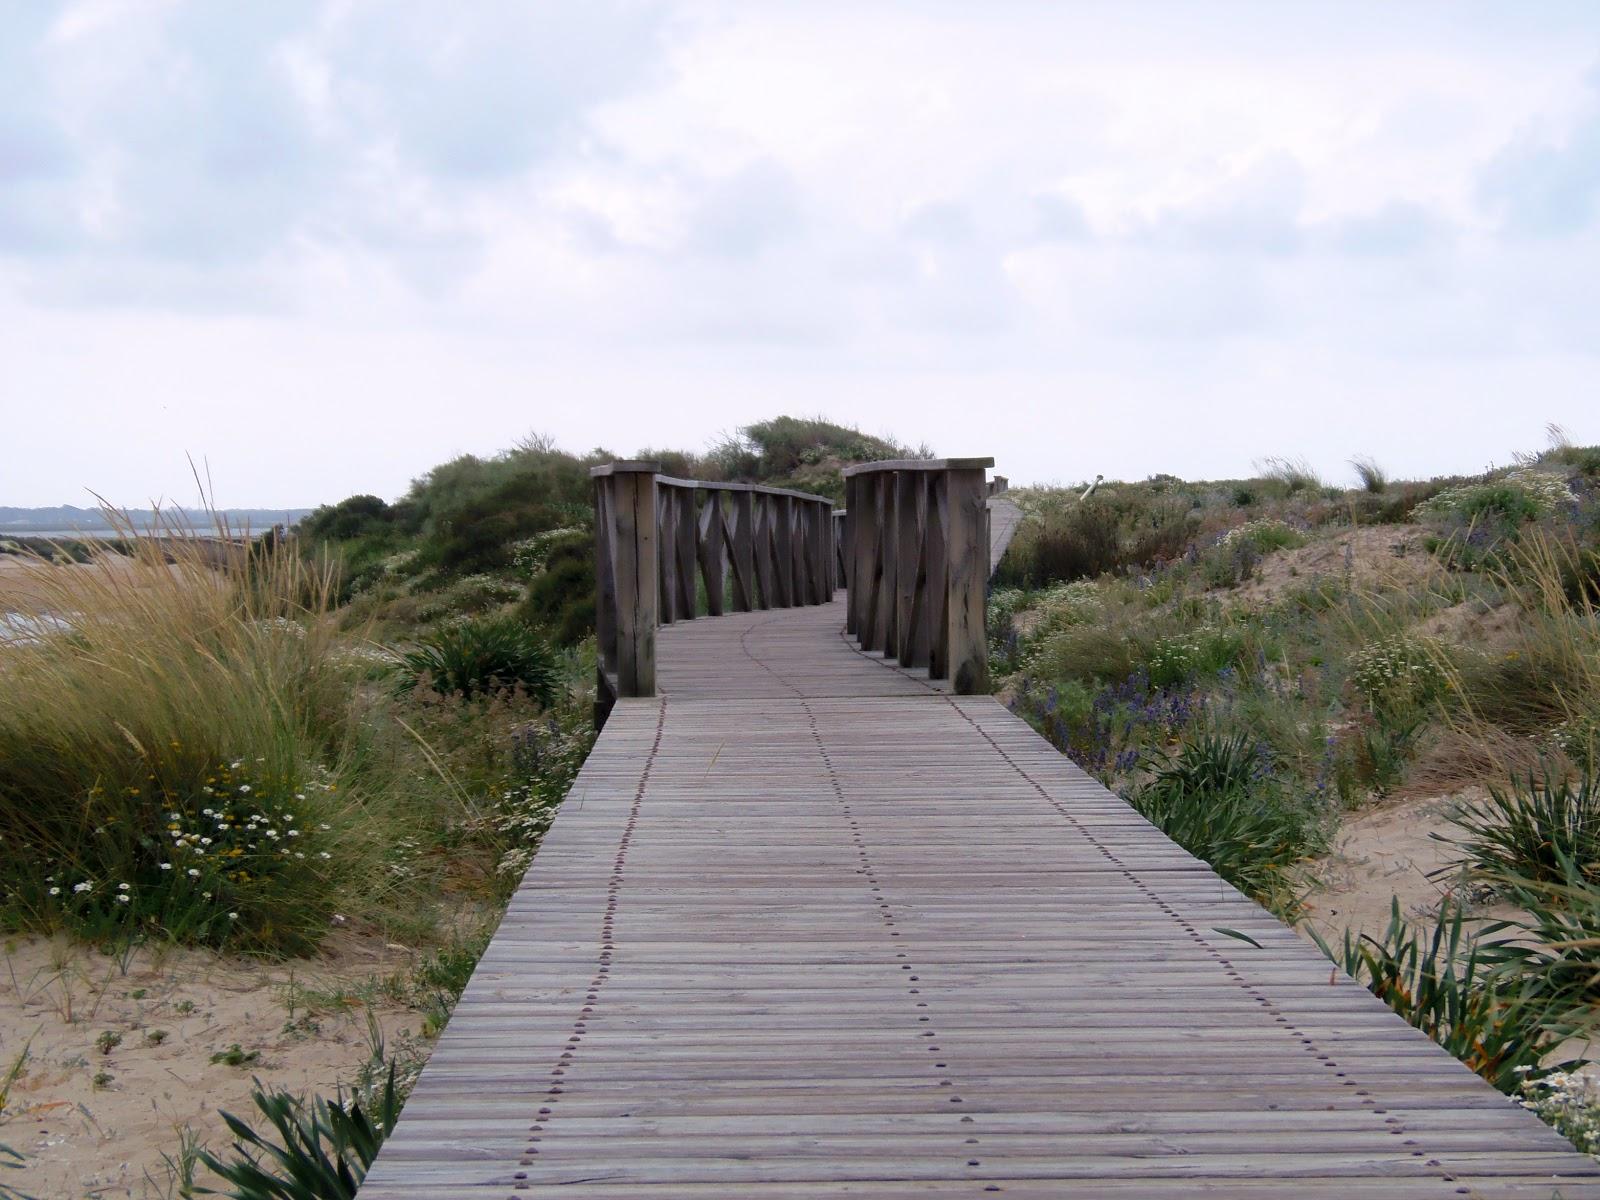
column 19, row 630
column 91, row 535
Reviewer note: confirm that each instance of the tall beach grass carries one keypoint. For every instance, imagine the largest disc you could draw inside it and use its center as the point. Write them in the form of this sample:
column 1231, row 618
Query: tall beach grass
column 181, row 756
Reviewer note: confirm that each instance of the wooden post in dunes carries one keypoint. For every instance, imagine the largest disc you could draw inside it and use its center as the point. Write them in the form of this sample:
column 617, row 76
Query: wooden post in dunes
column 744, row 551
column 634, row 572
column 709, row 546
column 968, row 566
column 908, row 553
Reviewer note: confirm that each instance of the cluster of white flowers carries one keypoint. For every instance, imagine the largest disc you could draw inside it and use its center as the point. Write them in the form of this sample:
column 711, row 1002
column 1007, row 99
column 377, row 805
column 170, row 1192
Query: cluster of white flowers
column 524, row 811
column 282, row 625
column 1545, row 492
column 1570, row 1101
column 530, row 555
column 1578, row 738
column 401, row 563
column 1402, row 668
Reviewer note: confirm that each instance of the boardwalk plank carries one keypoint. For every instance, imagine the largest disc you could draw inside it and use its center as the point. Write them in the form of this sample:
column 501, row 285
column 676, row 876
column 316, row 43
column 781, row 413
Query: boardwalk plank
column 810, row 926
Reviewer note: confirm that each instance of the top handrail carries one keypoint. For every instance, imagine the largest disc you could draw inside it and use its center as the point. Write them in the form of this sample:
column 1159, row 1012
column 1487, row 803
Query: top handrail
column 647, row 467
column 919, row 464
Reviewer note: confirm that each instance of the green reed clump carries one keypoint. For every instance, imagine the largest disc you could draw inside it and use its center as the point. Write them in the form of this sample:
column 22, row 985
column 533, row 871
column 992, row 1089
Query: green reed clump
column 482, row 657
column 1218, row 800
column 1536, row 831
column 322, row 1151
column 1454, row 989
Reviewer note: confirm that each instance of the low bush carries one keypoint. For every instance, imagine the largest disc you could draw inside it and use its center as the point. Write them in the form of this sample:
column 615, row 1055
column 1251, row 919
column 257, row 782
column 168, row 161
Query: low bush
column 481, row 657
column 1065, row 542
column 1538, row 830
column 1204, row 650
column 1452, row 988
column 1400, row 674
column 1217, row 800
column 560, row 597
column 1519, row 496
column 322, row 1152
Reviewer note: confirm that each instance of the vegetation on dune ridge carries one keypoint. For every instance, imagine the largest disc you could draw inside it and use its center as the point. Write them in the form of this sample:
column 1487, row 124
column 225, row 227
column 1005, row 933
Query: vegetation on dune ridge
column 1247, row 660
column 475, row 532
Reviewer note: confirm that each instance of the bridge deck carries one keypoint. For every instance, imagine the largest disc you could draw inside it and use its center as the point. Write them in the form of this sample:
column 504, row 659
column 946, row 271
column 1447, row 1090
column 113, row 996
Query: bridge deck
column 808, row 927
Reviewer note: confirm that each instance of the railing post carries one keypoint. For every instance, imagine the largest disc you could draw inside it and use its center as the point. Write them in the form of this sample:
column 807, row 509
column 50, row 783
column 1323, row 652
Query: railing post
column 908, row 562
column 632, row 499
column 968, row 563
column 862, row 519
column 782, row 550
column 816, row 564
column 798, row 529
column 667, row 576
column 744, row 552
column 936, row 542
column 605, row 599
column 887, row 642
column 766, row 568
column 708, row 545
column 839, row 526
column 687, row 520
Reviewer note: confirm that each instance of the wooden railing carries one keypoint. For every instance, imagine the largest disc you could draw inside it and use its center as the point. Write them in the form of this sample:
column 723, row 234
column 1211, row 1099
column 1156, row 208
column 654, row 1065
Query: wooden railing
column 673, row 549
column 917, row 564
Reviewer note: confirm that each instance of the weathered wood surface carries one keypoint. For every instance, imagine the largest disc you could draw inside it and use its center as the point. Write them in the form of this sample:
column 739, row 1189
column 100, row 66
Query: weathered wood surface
column 808, row 927
column 1004, row 517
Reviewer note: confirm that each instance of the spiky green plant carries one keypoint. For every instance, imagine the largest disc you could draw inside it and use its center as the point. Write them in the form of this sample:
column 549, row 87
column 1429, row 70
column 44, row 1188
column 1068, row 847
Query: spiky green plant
column 1455, row 989
column 323, row 1150
column 482, row 657
column 1216, row 801
column 1537, row 831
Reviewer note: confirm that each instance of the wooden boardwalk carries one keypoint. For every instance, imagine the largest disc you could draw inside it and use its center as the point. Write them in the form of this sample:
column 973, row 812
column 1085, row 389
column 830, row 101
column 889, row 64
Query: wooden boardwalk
column 808, row 926
column 1004, row 518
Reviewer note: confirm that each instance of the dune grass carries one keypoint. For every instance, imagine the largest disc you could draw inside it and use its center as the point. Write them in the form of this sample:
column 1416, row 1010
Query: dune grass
column 185, row 758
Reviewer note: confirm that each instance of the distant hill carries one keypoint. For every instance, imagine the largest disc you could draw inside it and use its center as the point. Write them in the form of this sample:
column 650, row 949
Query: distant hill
column 68, row 518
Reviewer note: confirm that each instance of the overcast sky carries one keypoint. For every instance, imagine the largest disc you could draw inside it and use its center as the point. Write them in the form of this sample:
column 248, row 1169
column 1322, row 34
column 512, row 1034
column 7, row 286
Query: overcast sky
column 323, row 246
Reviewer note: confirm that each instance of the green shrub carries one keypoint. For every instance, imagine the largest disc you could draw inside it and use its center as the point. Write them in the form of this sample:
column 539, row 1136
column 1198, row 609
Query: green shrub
column 322, row 1151
column 1554, row 957
column 357, row 516
column 1450, row 987
column 561, row 595
column 1063, row 543
column 1265, row 534
column 1089, row 652
column 1536, row 830
column 1216, row 801
column 1204, row 650
column 1212, row 764
column 1400, row 673
column 482, row 657
column 1515, row 498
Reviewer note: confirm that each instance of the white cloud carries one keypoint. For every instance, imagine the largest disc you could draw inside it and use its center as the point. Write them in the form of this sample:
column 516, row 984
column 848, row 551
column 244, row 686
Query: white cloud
column 407, row 231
